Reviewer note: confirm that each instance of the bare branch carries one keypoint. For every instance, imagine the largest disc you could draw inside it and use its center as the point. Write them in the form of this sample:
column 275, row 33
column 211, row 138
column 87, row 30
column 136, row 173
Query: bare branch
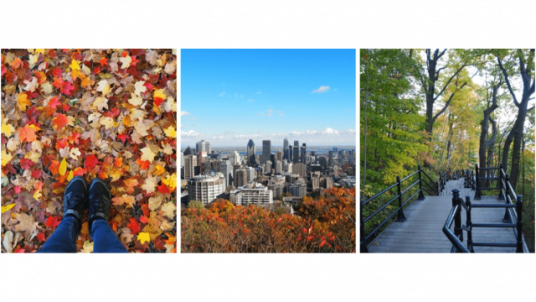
column 447, row 104
column 531, row 108
column 505, row 74
column 448, row 82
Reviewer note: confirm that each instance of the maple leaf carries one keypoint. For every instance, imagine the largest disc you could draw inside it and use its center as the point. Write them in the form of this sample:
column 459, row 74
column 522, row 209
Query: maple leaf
column 8, row 130
column 52, row 221
column 135, row 100
column 54, row 167
column 170, row 132
column 16, row 63
column 101, row 103
column 107, row 122
column 103, row 61
column 67, row 88
column 149, row 185
column 26, row 163
column 134, row 226
column 168, row 210
column 36, row 173
column 123, row 137
column 54, row 102
column 162, row 188
column 126, row 199
column 87, row 247
column 91, row 162
column 144, row 237
column 79, row 171
column 41, row 237
column 74, row 65
column 147, row 154
column 125, row 62
column 139, row 88
column 104, row 87
column 159, row 170
column 59, row 121
column 130, row 183
column 27, row 133
column 74, row 153
column 63, row 167
column 170, row 181
column 23, row 102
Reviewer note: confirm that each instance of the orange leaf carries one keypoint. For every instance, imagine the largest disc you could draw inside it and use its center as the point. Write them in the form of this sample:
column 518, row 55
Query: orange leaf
column 27, row 133
column 59, row 121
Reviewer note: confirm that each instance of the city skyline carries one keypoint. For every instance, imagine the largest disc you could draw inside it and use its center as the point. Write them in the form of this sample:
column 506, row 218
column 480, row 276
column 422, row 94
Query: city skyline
column 232, row 96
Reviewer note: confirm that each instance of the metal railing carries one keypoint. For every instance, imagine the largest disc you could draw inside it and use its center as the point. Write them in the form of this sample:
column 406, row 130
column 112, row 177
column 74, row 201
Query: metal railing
column 456, row 236
column 425, row 185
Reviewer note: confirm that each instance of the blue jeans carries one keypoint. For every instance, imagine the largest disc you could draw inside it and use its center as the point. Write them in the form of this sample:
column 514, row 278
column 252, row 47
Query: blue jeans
column 63, row 240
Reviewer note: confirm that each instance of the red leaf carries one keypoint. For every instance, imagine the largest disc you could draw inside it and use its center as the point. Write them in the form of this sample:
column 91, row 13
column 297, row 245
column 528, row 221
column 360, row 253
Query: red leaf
column 61, row 143
column 158, row 101
column 162, row 188
column 104, row 61
column 54, row 167
column 26, row 163
column 67, row 88
column 36, row 173
column 143, row 219
column 18, row 189
column 134, row 226
column 122, row 137
column 144, row 164
column 54, row 102
column 322, row 243
column 96, row 70
column 41, row 237
column 52, row 221
column 91, row 162
column 59, row 121
column 57, row 73
column 58, row 82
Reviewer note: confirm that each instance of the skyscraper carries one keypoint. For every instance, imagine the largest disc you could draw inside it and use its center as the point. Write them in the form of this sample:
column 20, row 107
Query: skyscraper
column 266, row 150
column 190, row 161
column 227, row 169
column 296, row 157
column 251, row 153
column 285, row 150
column 330, row 156
column 203, row 146
column 303, row 150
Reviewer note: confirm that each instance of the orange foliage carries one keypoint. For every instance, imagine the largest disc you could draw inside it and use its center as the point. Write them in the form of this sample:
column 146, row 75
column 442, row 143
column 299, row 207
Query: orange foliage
column 326, row 224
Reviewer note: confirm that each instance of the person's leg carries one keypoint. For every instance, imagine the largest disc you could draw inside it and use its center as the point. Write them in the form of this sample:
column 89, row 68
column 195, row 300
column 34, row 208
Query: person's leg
column 104, row 239
column 63, row 240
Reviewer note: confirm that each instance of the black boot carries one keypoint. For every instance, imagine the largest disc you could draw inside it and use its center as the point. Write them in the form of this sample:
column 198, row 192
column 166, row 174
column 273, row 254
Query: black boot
column 74, row 198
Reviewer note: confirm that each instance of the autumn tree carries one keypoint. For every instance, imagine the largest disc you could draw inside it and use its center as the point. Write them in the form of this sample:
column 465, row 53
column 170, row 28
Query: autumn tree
column 525, row 69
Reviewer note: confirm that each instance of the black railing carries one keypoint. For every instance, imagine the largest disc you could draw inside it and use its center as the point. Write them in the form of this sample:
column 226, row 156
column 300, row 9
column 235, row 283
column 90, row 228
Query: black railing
column 425, row 185
column 456, row 236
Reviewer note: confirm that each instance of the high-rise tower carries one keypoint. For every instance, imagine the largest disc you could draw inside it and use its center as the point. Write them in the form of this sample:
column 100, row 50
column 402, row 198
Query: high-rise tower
column 251, row 153
column 296, row 157
column 303, row 150
column 266, row 150
column 285, row 149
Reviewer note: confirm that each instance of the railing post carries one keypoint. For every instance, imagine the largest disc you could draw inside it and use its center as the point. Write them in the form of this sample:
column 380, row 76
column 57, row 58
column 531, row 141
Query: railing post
column 421, row 194
column 507, row 218
column 519, row 211
column 401, row 217
column 456, row 201
column 500, row 197
column 469, row 223
column 363, row 243
column 478, row 194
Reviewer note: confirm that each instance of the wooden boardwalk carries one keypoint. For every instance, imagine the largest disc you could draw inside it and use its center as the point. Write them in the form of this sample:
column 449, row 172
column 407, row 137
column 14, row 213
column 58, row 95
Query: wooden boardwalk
column 422, row 232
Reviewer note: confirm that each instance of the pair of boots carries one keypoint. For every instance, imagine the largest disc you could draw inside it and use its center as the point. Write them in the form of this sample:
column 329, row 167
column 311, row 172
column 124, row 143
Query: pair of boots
column 77, row 197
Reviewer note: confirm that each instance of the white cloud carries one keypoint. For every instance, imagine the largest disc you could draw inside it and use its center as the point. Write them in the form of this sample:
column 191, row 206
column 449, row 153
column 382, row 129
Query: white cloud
column 281, row 113
column 259, row 92
column 251, row 100
column 183, row 113
column 190, row 133
column 321, row 89
column 222, row 94
column 270, row 111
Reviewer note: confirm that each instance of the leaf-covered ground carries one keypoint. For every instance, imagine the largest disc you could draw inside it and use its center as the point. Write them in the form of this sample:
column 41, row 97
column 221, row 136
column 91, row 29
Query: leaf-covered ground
column 105, row 113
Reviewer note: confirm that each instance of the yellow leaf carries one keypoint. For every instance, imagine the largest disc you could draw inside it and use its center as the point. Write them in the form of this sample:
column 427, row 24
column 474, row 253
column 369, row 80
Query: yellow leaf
column 139, row 88
column 88, row 247
column 8, row 130
column 37, row 195
column 170, row 132
column 6, row 157
column 147, row 154
column 159, row 170
column 125, row 62
column 63, row 167
column 70, row 176
column 8, row 207
column 160, row 94
column 170, row 181
column 144, row 237
column 107, row 122
column 23, row 102
column 149, row 185
column 74, row 65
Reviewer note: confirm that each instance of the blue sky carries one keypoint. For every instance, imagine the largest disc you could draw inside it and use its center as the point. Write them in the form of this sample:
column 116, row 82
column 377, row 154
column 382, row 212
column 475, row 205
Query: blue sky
column 229, row 96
